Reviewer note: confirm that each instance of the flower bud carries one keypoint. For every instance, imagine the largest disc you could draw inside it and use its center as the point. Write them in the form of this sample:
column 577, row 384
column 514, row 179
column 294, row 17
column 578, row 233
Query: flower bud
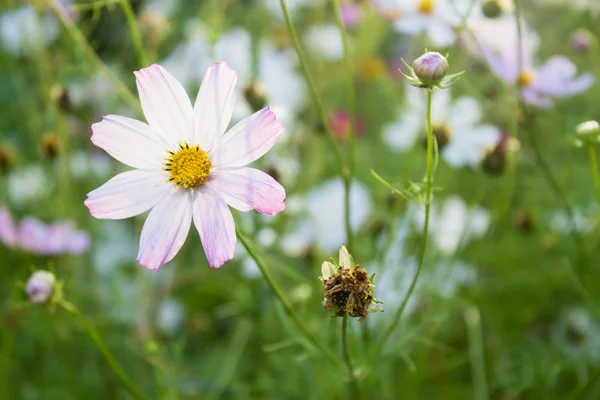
column 60, row 96
column 581, row 40
column 588, row 132
column 430, row 68
column 255, row 95
column 50, row 146
column 40, row 286
column 498, row 158
column 442, row 134
column 7, row 159
column 494, row 8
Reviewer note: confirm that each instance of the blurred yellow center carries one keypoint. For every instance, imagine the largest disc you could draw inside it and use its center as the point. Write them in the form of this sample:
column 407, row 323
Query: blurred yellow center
column 372, row 68
column 187, row 167
column 426, row 6
column 526, row 77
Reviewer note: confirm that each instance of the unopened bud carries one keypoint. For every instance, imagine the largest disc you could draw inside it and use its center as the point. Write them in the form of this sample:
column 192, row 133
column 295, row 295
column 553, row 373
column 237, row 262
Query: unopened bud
column 494, row 8
column 430, row 68
column 588, row 132
column 581, row 40
column 255, row 95
column 442, row 134
column 60, row 96
column 498, row 158
column 7, row 159
column 40, row 286
column 50, row 145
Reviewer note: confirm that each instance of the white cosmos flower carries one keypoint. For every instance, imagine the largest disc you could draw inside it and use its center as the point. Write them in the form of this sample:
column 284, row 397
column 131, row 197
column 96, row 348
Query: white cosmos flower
column 468, row 138
column 437, row 18
column 186, row 168
column 454, row 223
column 24, row 30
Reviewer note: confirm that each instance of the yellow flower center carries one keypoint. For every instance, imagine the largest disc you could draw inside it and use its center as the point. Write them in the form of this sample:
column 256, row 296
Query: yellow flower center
column 372, row 68
column 188, row 167
column 525, row 78
column 425, row 6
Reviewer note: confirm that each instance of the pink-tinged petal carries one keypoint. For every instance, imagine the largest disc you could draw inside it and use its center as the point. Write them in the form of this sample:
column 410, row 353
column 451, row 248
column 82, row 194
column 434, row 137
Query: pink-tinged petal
column 504, row 64
column 557, row 78
column 214, row 105
column 130, row 141
column 249, row 188
column 8, row 230
column 531, row 96
column 165, row 103
column 128, row 194
column 248, row 140
column 215, row 225
column 166, row 229
column 35, row 237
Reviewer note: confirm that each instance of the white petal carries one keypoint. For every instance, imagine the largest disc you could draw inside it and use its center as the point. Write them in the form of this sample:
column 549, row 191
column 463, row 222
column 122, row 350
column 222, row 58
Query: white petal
column 166, row 105
column 128, row 194
column 130, row 141
column 166, row 229
column 214, row 105
column 327, row 270
column 465, row 114
column 345, row 260
column 248, row 140
column 249, row 188
column 215, row 225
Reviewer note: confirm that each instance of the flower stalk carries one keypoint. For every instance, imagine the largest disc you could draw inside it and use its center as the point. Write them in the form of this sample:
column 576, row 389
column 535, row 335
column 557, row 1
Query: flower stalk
column 285, row 303
column 594, row 167
column 110, row 359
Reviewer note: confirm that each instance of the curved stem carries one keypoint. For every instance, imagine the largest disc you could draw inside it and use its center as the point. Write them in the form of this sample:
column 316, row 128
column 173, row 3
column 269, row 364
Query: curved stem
column 352, row 123
column 85, row 47
column 348, row 360
column 286, row 304
column 422, row 250
column 135, row 33
column 110, row 359
column 594, row 167
column 313, row 89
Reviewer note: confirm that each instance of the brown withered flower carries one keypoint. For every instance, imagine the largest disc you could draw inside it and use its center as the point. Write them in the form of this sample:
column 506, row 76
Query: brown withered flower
column 348, row 288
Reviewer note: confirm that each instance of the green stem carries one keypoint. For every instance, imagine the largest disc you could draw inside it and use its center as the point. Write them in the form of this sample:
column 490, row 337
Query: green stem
column 286, row 304
column 422, row 250
column 594, row 166
column 476, row 357
column 135, row 33
column 87, row 50
column 348, row 360
column 110, row 359
column 313, row 89
column 352, row 123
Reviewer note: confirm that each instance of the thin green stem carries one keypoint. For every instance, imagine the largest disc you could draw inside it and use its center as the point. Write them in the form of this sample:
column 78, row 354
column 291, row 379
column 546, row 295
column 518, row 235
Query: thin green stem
column 422, row 250
column 594, row 167
column 87, row 50
column 352, row 123
column 313, row 89
column 135, row 33
column 110, row 359
column 356, row 392
column 476, row 356
column 286, row 304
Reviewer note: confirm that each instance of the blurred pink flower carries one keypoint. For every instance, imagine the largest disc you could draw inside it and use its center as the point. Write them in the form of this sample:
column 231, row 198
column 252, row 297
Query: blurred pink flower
column 340, row 124
column 352, row 14
column 186, row 167
column 34, row 236
column 555, row 78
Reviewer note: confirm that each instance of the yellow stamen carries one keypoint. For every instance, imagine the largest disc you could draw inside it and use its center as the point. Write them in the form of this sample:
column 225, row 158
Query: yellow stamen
column 526, row 77
column 187, row 167
column 426, row 6
column 372, row 68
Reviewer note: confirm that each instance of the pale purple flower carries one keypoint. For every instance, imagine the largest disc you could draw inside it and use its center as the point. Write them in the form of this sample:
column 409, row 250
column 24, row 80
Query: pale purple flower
column 36, row 237
column 557, row 77
column 352, row 14
column 40, row 286
column 186, row 167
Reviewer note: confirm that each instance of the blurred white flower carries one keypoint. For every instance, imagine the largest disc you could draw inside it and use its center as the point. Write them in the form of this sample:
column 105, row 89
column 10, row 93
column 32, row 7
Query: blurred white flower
column 84, row 165
column 170, row 316
column 563, row 223
column 23, row 30
column 499, row 34
column 274, row 6
column 325, row 41
column 467, row 138
column 113, row 247
column 322, row 222
column 437, row 18
column 454, row 224
column 578, row 335
column 98, row 92
column 28, row 184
